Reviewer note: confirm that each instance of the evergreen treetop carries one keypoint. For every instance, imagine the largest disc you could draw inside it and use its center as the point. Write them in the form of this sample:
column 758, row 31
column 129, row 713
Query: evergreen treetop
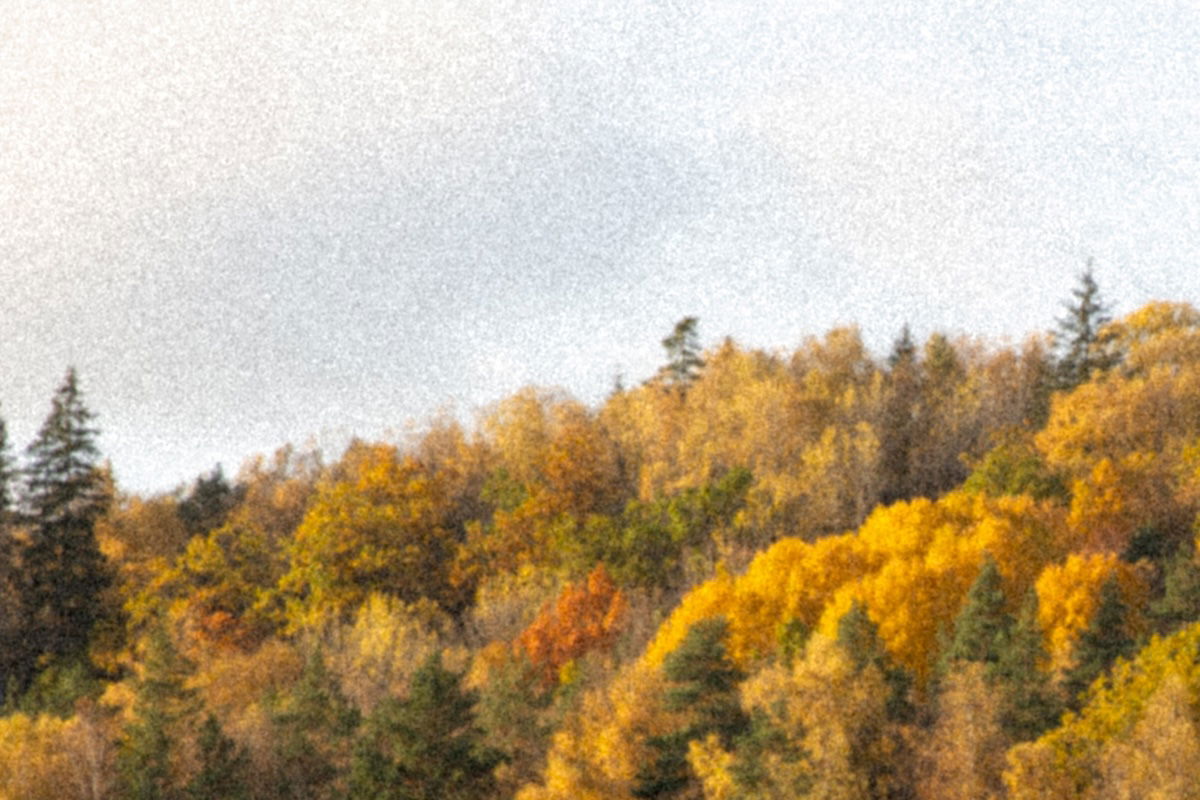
column 983, row 623
column 683, row 354
column 703, row 686
column 62, row 478
column 1105, row 640
column 1076, row 339
column 426, row 746
column 1029, row 706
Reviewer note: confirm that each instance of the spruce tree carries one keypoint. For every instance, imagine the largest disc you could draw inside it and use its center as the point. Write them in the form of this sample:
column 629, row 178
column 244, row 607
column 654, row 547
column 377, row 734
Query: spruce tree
column 1029, row 705
column 859, row 638
column 313, row 725
column 1105, row 640
column 427, row 746
column 683, row 355
column 8, row 475
column 16, row 657
column 209, row 502
column 1077, row 338
column 65, row 492
column 983, row 623
column 223, row 766
column 704, row 685
column 900, row 428
column 162, row 706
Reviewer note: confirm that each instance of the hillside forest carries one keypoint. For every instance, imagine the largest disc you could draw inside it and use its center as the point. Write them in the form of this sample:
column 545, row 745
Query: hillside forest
column 963, row 569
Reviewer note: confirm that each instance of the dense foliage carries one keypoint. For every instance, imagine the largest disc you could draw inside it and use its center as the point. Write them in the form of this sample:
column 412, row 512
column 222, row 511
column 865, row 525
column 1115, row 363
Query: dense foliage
column 959, row 570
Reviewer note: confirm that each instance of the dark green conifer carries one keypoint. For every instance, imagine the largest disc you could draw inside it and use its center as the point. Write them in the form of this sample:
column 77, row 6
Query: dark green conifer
column 1105, row 640
column 426, row 746
column 66, row 491
column 1029, row 705
column 683, row 355
column 982, row 625
column 223, row 766
column 147, row 748
column 209, row 502
column 900, row 424
column 703, row 685
column 1180, row 603
column 1077, row 337
column 8, row 475
column 858, row 636
column 313, row 725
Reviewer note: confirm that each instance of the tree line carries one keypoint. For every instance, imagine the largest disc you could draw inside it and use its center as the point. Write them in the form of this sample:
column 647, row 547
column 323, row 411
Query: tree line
column 756, row 574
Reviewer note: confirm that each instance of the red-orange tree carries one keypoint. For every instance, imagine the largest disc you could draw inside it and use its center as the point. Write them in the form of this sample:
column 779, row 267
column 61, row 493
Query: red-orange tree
column 585, row 617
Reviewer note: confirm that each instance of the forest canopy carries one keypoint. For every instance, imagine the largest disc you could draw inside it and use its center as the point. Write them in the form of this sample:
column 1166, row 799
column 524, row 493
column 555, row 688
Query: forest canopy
column 959, row 569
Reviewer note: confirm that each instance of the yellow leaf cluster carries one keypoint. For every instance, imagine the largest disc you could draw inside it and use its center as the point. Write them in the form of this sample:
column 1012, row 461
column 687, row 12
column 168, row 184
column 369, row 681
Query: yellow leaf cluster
column 1069, row 593
column 597, row 752
column 910, row 564
column 1138, row 708
column 47, row 758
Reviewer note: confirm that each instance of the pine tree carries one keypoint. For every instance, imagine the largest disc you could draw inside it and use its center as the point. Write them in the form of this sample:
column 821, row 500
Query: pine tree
column 1105, row 640
column 16, row 658
column 62, row 480
column 899, row 429
column 1077, row 337
column 8, row 475
column 223, row 766
column 65, row 492
column 1029, row 705
column 704, row 685
column 1180, row 603
column 163, row 704
column 313, row 725
column 426, row 746
column 983, row 623
column 858, row 636
column 683, row 355
column 207, row 505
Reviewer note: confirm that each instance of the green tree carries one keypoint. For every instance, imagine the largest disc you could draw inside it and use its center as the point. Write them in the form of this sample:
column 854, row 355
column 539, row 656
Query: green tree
column 8, row 475
column 1077, row 337
column 703, row 688
column 426, row 746
column 648, row 544
column 900, row 424
column 858, row 636
column 313, row 725
column 209, row 502
column 15, row 656
column 1105, row 640
column 983, row 624
column 223, row 766
column 1180, row 603
column 1029, row 705
column 163, row 703
column 66, row 490
column 683, row 355
column 1015, row 467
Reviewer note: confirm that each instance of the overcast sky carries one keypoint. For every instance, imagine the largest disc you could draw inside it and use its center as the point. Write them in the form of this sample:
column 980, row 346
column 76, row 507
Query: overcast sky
column 253, row 223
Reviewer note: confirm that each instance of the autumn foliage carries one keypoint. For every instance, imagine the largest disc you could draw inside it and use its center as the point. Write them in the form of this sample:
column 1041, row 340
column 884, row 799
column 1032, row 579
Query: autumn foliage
column 585, row 617
column 819, row 516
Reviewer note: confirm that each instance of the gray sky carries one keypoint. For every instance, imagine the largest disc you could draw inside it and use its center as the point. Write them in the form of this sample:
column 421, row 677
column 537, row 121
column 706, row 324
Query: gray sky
column 247, row 224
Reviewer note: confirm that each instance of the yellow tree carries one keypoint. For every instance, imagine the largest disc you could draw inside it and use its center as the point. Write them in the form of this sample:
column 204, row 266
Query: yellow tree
column 598, row 750
column 1070, row 760
column 382, row 527
column 1161, row 758
column 963, row 757
column 1069, row 594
